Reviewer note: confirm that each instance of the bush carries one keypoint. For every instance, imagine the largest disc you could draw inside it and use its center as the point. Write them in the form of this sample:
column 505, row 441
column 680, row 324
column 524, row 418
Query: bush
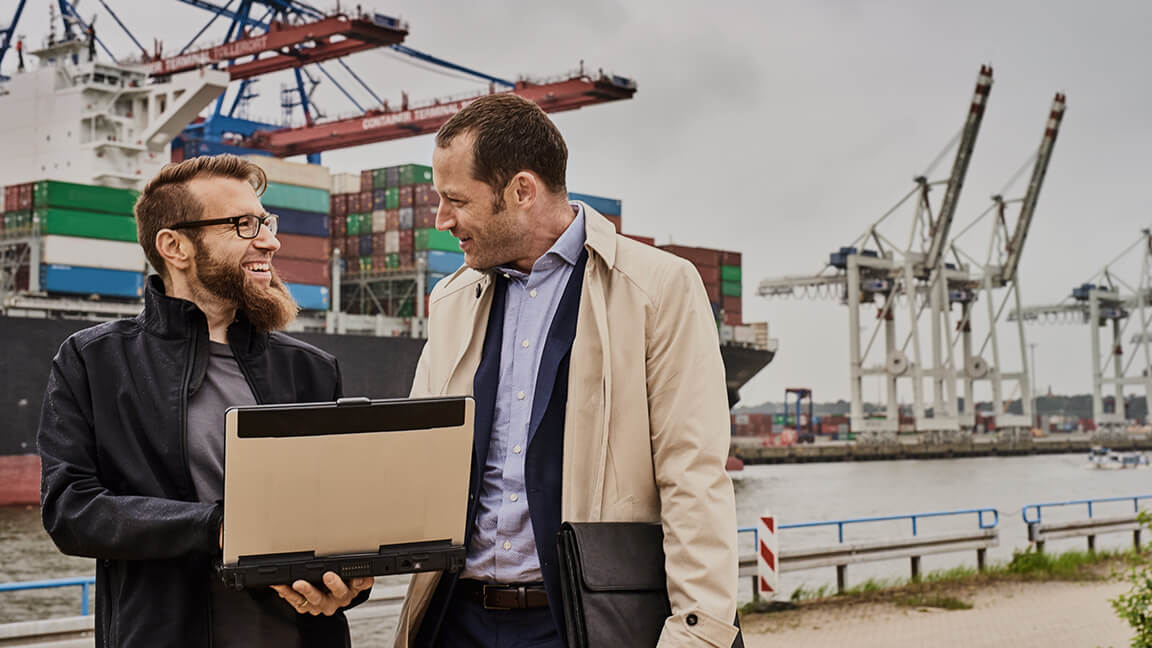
column 1135, row 607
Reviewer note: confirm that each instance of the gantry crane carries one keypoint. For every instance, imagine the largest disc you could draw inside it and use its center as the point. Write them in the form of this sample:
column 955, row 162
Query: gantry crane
column 1107, row 300
column 1000, row 270
column 914, row 276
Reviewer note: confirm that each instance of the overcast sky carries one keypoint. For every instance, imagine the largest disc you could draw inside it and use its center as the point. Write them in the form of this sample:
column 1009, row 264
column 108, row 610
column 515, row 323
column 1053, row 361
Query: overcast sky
column 783, row 129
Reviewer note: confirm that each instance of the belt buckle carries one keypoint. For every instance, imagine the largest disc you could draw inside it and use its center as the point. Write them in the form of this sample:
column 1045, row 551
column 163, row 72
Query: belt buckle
column 484, row 598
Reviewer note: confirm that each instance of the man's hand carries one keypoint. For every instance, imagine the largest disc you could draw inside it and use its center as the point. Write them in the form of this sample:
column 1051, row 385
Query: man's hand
column 307, row 599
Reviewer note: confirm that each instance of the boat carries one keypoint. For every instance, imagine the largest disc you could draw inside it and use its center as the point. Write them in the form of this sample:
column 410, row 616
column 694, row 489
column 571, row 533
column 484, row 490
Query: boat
column 1101, row 458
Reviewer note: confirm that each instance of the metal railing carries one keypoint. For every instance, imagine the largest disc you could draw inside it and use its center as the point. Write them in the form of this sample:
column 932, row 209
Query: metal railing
column 85, row 584
column 1039, row 531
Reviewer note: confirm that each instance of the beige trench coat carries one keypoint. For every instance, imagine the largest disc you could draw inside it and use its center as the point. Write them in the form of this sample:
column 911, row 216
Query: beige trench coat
column 646, row 432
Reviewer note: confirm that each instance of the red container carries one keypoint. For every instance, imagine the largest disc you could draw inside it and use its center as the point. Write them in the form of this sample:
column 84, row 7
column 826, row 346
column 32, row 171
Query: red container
column 647, row 240
column 339, row 204
column 407, row 259
column 298, row 246
column 379, row 261
column 424, row 195
column 709, row 274
column 351, row 248
column 365, row 201
column 615, row 220
column 713, row 291
column 729, row 258
column 698, row 256
column 392, row 220
column 407, row 196
column 732, row 304
column 424, row 217
column 11, row 198
column 303, row 271
column 25, row 194
column 366, row 180
column 733, row 319
column 338, row 226
column 407, row 243
column 377, row 243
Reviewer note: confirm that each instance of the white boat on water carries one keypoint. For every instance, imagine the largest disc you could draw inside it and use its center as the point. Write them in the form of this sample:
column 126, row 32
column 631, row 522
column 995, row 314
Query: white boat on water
column 1106, row 459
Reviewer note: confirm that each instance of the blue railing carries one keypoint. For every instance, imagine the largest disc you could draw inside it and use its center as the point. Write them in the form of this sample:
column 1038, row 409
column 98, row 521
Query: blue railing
column 1038, row 509
column 85, row 585
column 914, row 517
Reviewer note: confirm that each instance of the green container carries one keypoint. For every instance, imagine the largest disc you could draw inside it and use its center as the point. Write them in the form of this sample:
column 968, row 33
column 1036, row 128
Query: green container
column 434, row 239
column 730, row 273
column 16, row 222
column 392, row 260
column 406, row 309
column 731, row 288
column 366, row 223
column 411, row 174
column 392, row 198
column 365, row 264
column 352, row 223
column 71, row 222
column 288, row 196
column 89, row 198
column 379, row 180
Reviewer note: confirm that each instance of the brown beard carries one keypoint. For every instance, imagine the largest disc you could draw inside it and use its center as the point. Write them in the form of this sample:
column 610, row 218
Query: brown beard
column 267, row 309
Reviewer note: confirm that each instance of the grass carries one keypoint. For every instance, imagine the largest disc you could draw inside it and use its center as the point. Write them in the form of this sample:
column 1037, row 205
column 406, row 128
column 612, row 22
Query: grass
column 929, row 591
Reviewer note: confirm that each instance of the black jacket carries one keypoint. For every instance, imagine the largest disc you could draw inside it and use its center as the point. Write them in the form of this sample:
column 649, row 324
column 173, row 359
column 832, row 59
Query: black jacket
column 116, row 483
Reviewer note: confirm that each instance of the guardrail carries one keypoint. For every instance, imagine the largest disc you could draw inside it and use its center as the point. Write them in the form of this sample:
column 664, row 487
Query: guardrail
column 84, row 583
column 1039, row 531
column 843, row 554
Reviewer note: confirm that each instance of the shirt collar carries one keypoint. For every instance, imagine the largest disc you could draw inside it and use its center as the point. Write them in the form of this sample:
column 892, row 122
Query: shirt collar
column 567, row 248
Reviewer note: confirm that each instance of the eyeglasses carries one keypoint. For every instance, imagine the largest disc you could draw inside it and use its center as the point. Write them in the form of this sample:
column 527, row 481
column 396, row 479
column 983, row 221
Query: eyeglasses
column 247, row 226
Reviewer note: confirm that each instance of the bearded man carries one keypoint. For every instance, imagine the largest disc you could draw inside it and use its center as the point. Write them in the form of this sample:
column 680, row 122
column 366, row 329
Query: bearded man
column 131, row 435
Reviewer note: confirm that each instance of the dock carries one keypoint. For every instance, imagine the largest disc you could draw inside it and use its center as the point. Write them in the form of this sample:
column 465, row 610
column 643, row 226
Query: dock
column 751, row 451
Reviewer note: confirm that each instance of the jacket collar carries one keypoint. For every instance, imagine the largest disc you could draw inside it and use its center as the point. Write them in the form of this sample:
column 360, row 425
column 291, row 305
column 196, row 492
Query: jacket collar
column 172, row 317
column 600, row 235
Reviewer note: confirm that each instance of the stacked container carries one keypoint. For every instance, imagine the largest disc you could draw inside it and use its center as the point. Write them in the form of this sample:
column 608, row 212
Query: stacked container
column 721, row 273
column 299, row 195
column 611, row 208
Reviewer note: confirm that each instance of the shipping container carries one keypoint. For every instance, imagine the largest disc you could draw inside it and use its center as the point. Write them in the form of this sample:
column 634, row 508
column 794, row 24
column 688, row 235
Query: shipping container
column 366, row 223
column 350, row 247
column 433, row 279
column 392, row 242
column 406, row 218
column 366, row 180
column 433, row 239
column 309, row 297
column 407, row 241
column 713, row 291
column 293, row 173
column 78, row 280
column 606, row 206
column 345, row 183
column 646, row 240
column 709, row 274
column 406, row 197
column 730, row 273
column 615, row 220
column 379, row 244
column 309, row 199
column 730, row 258
column 337, row 225
column 71, row 222
column 424, row 217
column 406, row 257
column 380, row 221
column 392, row 177
column 295, row 221
column 365, row 245
column 732, row 304
column 365, row 202
column 392, row 217
column 424, row 195
column 18, row 222
column 413, row 174
column 380, row 179
column 338, row 205
column 731, row 288
column 379, row 199
column 392, row 198
column 392, row 260
column 441, row 262
column 316, row 272
column 700, row 257
column 352, row 224
column 733, row 319
column 298, row 246
column 90, row 198
column 92, row 253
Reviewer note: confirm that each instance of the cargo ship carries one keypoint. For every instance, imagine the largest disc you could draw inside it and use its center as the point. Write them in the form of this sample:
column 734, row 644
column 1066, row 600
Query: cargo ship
column 359, row 253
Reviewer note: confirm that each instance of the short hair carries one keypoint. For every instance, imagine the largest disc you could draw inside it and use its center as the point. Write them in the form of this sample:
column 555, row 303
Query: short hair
column 167, row 201
column 512, row 135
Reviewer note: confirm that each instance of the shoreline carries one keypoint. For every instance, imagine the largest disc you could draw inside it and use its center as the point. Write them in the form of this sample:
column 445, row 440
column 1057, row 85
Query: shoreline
column 751, row 450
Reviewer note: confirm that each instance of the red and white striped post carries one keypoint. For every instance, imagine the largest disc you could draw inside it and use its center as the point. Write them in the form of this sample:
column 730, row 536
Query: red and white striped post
column 766, row 556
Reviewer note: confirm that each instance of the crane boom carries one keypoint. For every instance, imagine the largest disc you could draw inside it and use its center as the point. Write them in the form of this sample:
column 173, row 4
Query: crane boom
column 380, row 125
column 1028, row 208
column 943, row 224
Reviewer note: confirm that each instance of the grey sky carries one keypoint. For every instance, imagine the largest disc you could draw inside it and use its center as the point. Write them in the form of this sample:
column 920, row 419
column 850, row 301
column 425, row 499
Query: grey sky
column 782, row 129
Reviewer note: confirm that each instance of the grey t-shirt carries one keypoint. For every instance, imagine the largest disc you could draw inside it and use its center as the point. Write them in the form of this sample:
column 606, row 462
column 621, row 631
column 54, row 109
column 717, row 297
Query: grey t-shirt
column 251, row 617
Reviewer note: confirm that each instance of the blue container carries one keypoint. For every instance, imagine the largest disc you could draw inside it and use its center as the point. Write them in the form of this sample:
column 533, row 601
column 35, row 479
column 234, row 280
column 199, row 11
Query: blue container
column 78, row 280
column 294, row 221
column 440, row 262
column 433, row 277
column 379, row 197
column 606, row 206
column 293, row 197
column 365, row 245
column 309, row 297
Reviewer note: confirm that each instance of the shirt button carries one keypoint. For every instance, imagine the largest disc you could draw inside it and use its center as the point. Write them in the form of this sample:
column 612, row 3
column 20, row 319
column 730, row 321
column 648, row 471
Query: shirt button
column 532, row 293
column 506, row 276
column 507, row 545
column 524, row 344
column 520, row 395
column 513, row 497
column 516, row 450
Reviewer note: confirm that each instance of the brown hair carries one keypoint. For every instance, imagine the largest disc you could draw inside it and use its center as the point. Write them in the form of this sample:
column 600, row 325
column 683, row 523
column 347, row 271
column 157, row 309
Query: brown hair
column 166, row 200
column 512, row 135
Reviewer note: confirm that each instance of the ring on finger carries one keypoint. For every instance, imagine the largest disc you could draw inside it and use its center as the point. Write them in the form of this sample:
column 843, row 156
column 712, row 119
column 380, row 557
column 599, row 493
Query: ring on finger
column 302, row 604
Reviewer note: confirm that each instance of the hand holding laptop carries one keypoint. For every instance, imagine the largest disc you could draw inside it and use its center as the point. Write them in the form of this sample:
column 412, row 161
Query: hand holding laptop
column 308, row 599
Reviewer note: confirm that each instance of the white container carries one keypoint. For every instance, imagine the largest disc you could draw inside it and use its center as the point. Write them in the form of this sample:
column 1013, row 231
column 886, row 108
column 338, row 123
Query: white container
column 293, row 173
column 380, row 221
column 392, row 243
column 345, row 183
column 92, row 253
column 744, row 335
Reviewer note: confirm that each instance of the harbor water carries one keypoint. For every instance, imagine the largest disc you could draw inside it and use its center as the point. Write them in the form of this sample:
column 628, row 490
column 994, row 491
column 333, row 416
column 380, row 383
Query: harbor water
column 794, row 493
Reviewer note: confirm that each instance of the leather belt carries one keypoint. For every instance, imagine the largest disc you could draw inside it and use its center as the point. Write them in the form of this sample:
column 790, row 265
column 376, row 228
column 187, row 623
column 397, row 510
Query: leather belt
column 497, row 596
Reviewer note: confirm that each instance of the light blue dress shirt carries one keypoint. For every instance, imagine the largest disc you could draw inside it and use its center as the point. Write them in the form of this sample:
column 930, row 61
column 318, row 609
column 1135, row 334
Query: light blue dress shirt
column 503, row 547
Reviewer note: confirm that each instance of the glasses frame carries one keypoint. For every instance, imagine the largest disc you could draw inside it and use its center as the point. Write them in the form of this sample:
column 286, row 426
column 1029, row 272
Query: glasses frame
column 234, row 221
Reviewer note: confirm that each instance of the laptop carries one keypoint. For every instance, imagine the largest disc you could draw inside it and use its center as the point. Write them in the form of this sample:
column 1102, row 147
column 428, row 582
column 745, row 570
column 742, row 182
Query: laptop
column 358, row 487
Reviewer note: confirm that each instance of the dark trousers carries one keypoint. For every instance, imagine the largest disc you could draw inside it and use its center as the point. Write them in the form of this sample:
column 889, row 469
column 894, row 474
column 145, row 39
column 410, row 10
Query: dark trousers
column 468, row 624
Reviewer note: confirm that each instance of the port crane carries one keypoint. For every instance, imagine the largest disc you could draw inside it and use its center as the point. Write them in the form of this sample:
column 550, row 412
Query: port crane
column 1109, row 301
column 912, row 279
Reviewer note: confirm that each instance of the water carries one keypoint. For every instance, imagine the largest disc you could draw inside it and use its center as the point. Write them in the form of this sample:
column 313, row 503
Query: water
column 793, row 493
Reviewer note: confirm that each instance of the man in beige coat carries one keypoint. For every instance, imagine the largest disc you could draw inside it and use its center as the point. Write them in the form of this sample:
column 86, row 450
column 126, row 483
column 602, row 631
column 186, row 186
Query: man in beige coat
column 643, row 432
